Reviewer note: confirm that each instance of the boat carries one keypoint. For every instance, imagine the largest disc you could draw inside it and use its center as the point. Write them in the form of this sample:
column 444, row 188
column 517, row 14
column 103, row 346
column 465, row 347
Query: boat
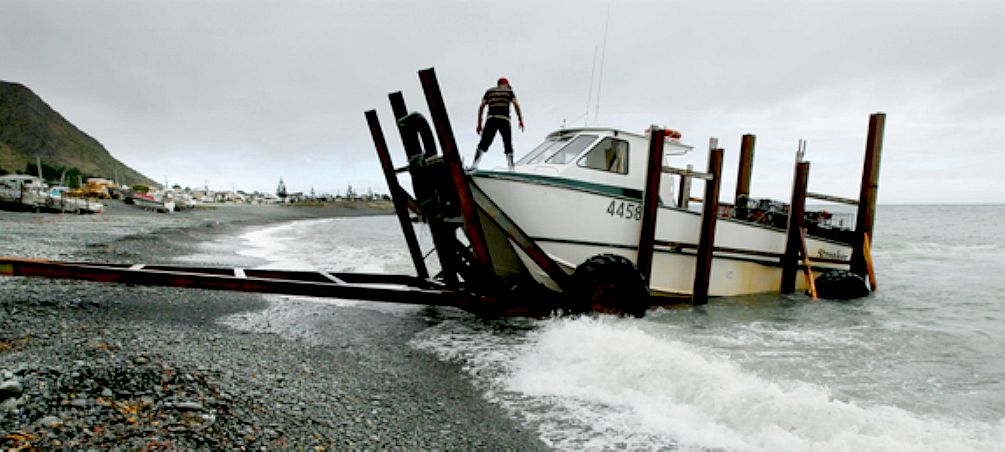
column 64, row 199
column 579, row 195
column 160, row 202
column 591, row 213
column 183, row 201
column 22, row 192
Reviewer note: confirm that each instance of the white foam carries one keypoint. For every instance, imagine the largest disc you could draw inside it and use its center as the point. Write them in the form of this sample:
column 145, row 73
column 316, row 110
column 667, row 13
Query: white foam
column 280, row 245
column 612, row 384
column 358, row 244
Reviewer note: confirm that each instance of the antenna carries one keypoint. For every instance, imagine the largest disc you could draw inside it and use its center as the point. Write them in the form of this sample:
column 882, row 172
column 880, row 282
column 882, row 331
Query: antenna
column 603, row 57
column 589, row 97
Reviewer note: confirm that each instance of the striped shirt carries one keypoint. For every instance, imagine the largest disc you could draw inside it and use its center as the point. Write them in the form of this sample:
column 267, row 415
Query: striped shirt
column 498, row 99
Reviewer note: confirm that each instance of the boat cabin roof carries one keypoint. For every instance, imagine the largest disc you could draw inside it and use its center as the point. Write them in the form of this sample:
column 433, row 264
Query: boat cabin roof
column 21, row 177
column 18, row 180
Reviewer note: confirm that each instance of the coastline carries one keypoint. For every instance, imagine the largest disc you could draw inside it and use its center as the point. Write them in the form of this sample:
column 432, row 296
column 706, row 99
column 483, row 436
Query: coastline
column 103, row 365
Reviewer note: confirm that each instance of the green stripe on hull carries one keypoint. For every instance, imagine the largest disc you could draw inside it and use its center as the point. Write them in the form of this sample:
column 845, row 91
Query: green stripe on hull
column 619, row 192
column 601, row 189
column 658, row 249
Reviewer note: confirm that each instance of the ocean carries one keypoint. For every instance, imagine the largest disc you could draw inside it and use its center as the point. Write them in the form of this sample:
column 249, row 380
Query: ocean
column 918, row 365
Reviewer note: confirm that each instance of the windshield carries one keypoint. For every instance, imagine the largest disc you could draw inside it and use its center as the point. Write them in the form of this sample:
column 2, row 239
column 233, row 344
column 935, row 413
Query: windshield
column 543, row 150
column 573, row 149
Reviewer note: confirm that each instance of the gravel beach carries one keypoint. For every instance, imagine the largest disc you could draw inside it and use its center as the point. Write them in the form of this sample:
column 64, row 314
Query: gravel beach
column 87, row 365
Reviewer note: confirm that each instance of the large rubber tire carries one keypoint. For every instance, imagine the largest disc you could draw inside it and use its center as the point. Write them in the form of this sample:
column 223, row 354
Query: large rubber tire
column 841, row 285
column 610, row 284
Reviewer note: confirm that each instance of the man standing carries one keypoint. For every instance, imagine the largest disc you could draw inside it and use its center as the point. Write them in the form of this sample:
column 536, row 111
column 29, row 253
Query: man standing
column 498, row 99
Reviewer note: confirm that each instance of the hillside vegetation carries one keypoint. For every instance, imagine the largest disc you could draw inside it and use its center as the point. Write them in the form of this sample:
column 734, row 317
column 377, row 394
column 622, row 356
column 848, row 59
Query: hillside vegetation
column 30, row 128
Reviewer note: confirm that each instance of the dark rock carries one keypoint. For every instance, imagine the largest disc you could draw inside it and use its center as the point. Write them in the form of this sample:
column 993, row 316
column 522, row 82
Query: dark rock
column 10, row 388
column 188, row 406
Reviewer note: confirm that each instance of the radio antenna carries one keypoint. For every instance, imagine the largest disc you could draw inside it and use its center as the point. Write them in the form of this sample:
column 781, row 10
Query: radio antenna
column 589, row 97
column 603, row 57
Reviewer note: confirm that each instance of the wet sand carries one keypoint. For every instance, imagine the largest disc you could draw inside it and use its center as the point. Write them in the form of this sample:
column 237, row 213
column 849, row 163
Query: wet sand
column 99, row 365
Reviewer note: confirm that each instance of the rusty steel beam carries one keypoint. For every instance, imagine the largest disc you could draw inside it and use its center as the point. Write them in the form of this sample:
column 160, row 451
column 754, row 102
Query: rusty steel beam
column 706, row 239
column 869, row 189
column 650, row 205
column 401, row 289
column 411, row 127
column 451, row 156
column 793, row 241
column 744, row 173
column 398, row 195
column 372, row 287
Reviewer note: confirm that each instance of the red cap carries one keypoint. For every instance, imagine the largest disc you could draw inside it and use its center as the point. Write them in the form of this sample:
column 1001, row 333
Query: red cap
column 502, row 80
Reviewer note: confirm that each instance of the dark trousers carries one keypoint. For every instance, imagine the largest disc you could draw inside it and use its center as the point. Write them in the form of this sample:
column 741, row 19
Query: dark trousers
column 492, row 125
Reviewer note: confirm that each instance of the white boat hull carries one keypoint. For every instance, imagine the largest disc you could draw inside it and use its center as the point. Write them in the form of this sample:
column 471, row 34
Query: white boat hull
column 573, row 222
column 164, row 206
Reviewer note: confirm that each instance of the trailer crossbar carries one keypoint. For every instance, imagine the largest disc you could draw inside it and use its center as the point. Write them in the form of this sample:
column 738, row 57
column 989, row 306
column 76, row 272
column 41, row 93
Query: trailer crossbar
column 402, row 289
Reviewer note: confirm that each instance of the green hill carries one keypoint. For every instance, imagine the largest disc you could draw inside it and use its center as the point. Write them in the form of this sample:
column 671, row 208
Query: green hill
column 30, row 128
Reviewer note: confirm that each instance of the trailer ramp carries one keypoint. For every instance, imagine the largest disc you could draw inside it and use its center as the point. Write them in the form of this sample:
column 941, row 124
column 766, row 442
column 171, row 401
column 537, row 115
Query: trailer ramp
column 403, row 289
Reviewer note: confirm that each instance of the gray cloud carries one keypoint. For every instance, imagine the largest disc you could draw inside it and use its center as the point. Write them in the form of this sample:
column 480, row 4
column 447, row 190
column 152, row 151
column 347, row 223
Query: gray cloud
column 241, row 93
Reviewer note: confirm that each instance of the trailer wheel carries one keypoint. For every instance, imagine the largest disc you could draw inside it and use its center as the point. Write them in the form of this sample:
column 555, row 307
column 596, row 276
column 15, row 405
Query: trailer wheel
column 841, row 285
column 608, row 283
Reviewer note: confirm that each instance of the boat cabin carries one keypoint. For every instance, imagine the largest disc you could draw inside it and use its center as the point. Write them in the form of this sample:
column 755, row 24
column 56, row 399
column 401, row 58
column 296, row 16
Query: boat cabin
column 597, row 155
column 22, row 189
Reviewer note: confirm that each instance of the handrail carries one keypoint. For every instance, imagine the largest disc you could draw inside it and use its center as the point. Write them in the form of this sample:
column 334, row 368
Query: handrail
column 687, row 173
column 832, row 198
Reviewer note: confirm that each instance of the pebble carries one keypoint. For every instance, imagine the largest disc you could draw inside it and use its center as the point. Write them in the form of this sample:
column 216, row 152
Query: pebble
column 10, row 388
column 8, row 406
column 188, row 406
column 50, row 422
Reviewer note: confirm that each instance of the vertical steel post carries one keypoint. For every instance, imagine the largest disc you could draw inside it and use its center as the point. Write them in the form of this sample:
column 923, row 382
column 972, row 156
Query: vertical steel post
column 793, row 242
column 650, row 204
column 706, row 239
column 684, row 196
column 438, row 111
column 409, row 140
column 868, row 191
column 424, row 193
column 744, row 171
column 397, row 193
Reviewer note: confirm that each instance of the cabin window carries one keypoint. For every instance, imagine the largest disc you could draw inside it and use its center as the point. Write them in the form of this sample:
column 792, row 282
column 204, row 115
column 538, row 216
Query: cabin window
column 544, row 150
column 572, row 150
column 609, row 155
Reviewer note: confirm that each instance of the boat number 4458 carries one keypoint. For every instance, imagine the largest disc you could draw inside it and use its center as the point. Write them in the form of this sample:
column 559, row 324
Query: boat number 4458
column 625, row 209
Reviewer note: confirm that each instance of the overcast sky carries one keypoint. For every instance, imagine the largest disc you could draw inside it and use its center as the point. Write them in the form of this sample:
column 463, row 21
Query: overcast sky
column 242, row 93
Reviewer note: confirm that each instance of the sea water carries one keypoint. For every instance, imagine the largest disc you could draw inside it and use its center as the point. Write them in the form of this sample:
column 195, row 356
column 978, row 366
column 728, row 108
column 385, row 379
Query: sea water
column 918, row 365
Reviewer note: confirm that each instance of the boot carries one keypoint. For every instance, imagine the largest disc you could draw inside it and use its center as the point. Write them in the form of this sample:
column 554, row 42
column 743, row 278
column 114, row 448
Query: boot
column 478, row 156
column 509, row 161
